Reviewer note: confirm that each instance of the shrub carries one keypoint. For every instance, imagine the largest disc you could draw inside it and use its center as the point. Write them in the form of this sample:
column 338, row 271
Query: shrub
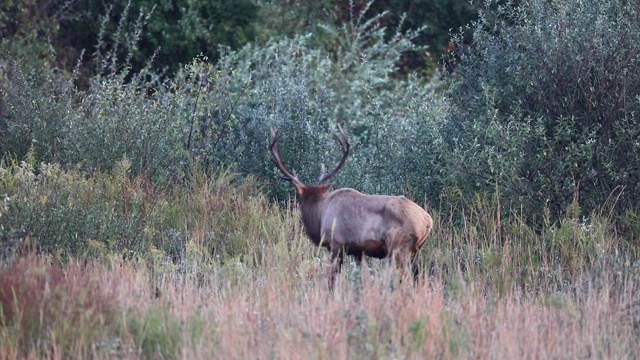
column 29, row 31
column 545, row 102
column 64, row 212
column 34, row 114
column 176, row 31
column 222, row 114
column 67, row 213
column 97, row 127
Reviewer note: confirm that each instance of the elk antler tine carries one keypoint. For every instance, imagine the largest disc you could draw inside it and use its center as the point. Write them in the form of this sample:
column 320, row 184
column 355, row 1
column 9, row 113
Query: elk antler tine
column 345, row 153
column 275, row 157
column 323, row 171
column 344, row 143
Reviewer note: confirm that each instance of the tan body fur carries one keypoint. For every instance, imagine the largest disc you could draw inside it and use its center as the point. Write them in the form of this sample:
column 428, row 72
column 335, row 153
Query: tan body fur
column 375, row 225
column 348, row 222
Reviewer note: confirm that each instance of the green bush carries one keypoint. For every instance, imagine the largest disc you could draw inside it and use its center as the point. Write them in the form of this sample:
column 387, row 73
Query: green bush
column 114, row 118
column 545, row 103
column 222, row 114
column 61, row 212
column 49, row 210
column 437, row 18
column 29, row 31
column 33, row 115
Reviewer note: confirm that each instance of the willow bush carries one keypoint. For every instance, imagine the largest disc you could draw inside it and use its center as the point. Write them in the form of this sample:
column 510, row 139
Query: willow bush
column 545, row 104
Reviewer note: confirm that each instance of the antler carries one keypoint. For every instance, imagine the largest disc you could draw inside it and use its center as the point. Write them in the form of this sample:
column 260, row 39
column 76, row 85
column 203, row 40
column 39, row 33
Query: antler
column 345, row 152
column 275, row 157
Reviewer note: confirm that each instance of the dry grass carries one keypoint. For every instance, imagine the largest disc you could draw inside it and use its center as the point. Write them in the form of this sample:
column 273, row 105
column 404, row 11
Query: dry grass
column 282, row 309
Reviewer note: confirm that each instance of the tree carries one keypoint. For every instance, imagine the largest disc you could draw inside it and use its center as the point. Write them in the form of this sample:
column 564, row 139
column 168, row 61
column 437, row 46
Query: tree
column 176, row 32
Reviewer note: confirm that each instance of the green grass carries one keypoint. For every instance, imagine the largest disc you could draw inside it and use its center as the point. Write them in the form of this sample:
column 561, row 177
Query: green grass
column 221, row 272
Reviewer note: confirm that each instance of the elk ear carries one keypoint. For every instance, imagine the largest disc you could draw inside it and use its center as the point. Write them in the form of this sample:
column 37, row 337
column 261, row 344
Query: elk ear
column 323, row 189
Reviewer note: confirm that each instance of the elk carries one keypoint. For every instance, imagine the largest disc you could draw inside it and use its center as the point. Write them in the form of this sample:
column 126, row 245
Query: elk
column 346, row 221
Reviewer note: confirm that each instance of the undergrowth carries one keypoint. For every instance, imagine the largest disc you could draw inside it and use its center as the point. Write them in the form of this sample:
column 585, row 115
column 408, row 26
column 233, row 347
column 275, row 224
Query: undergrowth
column 69, row 214
column 216, row 270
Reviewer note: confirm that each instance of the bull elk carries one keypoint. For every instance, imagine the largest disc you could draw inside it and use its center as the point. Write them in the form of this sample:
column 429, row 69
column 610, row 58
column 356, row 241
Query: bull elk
column 346, row 221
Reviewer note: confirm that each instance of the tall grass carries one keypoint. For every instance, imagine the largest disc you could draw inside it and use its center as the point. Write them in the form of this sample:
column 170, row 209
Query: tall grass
column 492, row 288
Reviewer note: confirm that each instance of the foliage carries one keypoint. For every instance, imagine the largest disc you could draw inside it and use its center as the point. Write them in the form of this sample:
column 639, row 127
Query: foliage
column 156, row 333
column 29, row 31
column 67, row 125
column 499, row 246
column 438, row 18
column 287, row 18
column 178, row 31
column 545, row 104
column 305, row 92
column 65, row 213
column 222, row 114
column 32, row 117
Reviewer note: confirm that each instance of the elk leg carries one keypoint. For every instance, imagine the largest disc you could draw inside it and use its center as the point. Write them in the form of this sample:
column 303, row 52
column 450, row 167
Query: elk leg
column 359, row 258
column 337, row 256
column 405, row 261
column 361, row 262
column 400, row 259
column 415, row 268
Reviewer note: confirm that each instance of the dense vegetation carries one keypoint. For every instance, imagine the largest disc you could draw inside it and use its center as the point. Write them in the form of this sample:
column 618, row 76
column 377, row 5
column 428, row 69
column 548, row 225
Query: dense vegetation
column 140, row 215
column 554, row 91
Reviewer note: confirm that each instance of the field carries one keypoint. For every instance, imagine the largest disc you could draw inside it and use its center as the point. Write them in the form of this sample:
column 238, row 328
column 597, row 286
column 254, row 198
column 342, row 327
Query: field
column 141, row 216
column 492, row 287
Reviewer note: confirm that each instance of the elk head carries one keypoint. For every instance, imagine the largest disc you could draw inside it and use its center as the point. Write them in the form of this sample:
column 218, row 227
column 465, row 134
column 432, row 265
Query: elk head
column 301, row 189
column 346, row 221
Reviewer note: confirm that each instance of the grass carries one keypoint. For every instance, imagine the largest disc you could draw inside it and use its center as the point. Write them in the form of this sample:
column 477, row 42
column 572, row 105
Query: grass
column 242, row 281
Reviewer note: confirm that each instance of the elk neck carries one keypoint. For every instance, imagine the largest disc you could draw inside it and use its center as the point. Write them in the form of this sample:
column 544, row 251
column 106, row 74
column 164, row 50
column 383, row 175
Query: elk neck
column 312, row 206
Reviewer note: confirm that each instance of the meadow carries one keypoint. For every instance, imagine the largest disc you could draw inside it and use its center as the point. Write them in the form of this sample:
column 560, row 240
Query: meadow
column 141, row 217
column 240, row 280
